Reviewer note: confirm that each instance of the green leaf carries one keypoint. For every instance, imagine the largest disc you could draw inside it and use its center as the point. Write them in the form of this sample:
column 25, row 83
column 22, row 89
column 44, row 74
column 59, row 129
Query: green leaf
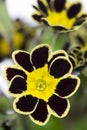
column 5, row 104
column 5, row 21
column 81, row 124
column 53, row 38
column 53, row 124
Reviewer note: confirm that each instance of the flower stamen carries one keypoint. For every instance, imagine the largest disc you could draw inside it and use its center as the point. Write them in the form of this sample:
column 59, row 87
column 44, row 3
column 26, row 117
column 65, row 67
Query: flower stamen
column 40, row 84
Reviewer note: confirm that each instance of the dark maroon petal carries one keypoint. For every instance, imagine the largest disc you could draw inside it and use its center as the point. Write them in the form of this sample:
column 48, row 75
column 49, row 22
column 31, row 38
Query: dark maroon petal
column 35, row 7
column 11, row 72
column 60, row 67
column 37, row 17
column 18, row 85
column 59, row 5
column 45, row 21
column 39, row 56
column 60, row 28
column 67, row 86
column 42, row 7
column 48, row 1
column 49, row 4
column 79, row 21
column 74, row 10
column 40, row 115
column 59, row 106
column 25, row 104
column 23, row 59
column 57, row 54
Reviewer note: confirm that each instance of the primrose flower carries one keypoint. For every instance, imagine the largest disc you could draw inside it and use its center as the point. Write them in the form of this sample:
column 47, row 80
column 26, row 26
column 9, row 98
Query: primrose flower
column 41, row 82
column 77, row 48
column 59, row 14
column 78, row 57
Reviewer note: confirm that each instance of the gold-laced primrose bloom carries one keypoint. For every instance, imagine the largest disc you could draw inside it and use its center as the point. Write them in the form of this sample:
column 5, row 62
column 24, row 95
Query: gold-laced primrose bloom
column 41, row 82
column 77, row 57
column 77, row 48
column 60, row 14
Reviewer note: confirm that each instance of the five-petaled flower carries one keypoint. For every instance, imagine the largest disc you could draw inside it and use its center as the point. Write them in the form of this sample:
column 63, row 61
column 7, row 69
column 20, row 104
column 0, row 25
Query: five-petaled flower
column 60, row 14
column 41, row 82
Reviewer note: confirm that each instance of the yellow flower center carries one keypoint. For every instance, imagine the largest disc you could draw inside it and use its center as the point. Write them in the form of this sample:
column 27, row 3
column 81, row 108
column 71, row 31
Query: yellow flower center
column 59, row 19
column 41, row 84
